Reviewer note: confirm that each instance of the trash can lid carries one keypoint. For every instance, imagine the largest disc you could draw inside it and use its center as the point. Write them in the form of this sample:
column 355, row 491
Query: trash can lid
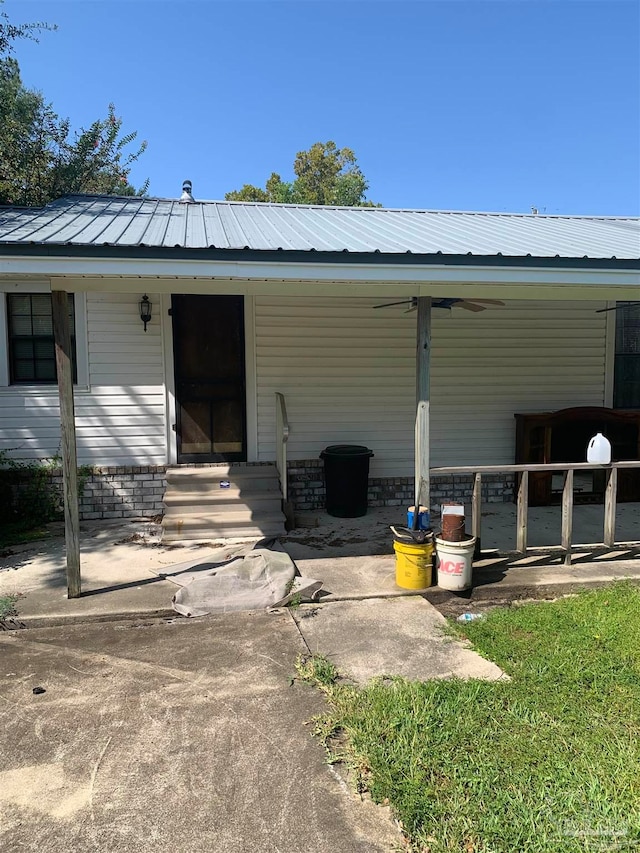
column 346, row 450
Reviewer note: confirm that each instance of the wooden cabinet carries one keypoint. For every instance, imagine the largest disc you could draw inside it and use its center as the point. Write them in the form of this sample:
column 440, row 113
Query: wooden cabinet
column 563, row 436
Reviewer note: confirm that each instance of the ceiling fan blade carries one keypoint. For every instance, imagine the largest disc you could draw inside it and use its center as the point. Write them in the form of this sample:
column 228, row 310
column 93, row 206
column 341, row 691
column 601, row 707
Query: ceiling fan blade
column 391, row 304
column 486, row 301
column 469, row 306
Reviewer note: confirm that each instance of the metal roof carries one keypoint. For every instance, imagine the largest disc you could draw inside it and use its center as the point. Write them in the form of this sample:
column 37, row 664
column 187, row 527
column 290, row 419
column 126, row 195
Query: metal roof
column 129, row 222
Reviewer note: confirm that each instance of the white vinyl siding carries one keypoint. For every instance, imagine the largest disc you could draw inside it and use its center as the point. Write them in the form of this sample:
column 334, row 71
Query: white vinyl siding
column 120, row 416
column 347, row 371
column 348, row 375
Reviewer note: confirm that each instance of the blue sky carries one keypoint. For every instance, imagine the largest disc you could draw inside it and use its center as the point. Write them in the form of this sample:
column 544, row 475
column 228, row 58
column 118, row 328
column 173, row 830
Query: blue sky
column 454, row 105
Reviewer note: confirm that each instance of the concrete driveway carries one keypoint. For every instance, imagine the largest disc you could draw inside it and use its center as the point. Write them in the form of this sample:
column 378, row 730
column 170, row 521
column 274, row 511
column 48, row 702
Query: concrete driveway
column 163, row 735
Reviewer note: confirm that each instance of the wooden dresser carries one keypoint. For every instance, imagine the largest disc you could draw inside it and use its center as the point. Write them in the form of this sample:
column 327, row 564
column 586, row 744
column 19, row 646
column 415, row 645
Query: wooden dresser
column 563, row 436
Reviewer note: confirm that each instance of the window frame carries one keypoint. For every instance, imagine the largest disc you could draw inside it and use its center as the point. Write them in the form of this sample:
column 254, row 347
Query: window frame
column 619, row 356
column 82, row 349
column 33, row 361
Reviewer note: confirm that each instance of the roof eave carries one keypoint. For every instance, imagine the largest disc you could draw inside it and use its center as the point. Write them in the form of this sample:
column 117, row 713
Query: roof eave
column 177, row 253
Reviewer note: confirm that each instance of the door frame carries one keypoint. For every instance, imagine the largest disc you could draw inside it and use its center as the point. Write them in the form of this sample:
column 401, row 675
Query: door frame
column 251, row 404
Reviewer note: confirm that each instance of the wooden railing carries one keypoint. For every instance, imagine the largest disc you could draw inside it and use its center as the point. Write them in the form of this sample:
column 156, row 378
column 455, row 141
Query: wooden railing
column 282, row 436
column 568, row 469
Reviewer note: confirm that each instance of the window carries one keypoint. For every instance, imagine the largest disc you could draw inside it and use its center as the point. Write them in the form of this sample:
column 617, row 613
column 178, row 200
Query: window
column 31, row 347
column 626, row 377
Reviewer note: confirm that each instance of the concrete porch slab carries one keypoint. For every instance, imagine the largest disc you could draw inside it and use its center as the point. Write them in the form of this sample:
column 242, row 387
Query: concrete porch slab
column 412, row 642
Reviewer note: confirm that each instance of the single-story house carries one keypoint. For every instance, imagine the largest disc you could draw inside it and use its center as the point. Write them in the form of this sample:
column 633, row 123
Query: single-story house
column 188, row 318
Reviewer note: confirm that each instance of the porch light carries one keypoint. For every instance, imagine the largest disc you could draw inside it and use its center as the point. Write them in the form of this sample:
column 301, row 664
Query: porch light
column 145, row 310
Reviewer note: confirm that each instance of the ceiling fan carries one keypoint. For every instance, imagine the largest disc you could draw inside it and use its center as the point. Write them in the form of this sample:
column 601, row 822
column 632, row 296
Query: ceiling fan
column 448, row 304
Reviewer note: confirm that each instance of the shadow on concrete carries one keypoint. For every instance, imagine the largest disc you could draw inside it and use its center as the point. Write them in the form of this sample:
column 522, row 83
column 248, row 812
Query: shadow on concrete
column 136, row 584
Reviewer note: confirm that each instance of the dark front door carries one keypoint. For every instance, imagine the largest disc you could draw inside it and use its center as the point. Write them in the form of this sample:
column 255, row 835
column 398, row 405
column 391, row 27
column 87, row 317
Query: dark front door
column 208, row 347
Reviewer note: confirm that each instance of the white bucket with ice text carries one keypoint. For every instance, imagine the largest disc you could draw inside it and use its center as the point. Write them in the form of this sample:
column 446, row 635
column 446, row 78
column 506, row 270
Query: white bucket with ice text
column 455, row 561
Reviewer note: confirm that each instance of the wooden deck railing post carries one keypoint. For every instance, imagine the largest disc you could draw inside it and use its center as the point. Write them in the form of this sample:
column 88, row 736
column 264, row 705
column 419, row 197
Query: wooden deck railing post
column 567, row 515
column 523, row 507
column 610, row 508
column 568, row 469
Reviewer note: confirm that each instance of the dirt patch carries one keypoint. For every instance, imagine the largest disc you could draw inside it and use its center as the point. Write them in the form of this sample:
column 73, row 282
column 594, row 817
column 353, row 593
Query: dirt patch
column 453, row 605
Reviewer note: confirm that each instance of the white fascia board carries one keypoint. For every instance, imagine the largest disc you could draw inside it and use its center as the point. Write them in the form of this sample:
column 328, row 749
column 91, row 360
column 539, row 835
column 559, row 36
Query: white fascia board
column 25, row 285
column 418, row 279
column 612, row 290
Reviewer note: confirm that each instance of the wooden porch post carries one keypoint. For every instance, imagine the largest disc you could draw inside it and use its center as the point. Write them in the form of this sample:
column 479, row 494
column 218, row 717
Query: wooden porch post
column 423, row 381
column 64, row 364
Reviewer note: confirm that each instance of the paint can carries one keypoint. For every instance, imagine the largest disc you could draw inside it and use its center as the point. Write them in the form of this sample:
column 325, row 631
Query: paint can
column 452, row 516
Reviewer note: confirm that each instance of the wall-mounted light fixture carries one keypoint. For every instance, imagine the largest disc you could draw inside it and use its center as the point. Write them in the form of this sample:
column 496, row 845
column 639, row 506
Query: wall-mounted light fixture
column 145, row 310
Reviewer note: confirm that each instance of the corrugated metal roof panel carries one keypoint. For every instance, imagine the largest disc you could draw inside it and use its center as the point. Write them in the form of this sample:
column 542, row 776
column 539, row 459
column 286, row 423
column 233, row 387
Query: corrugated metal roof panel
column 129, row 222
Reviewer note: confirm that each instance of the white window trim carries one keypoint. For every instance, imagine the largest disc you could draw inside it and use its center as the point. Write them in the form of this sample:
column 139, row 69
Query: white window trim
column 169, row 379
column 82, row 344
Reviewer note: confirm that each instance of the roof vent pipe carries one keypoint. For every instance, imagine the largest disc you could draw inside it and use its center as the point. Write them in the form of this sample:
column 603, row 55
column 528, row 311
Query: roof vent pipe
column 186, row 197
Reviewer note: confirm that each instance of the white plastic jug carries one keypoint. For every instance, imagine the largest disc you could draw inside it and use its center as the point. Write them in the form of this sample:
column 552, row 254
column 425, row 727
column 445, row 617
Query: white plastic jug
column 599, row 450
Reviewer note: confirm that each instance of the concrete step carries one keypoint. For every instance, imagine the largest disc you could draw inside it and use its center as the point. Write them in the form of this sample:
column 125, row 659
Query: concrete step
column 177, row 528
column 224, row 515
column 221, row 472
column 237, row 482
column 222, row 498
column 234, row 517
column 174, row 535
column 197, row 508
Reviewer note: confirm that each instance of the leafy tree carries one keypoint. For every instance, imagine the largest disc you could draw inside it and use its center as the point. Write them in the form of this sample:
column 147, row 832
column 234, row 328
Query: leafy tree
column 325, row 174
column 41, row 158
column 11, row 32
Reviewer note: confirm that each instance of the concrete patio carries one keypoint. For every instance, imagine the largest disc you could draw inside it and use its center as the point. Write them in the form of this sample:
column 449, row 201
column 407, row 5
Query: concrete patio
column 354, row 560
column 352, row 557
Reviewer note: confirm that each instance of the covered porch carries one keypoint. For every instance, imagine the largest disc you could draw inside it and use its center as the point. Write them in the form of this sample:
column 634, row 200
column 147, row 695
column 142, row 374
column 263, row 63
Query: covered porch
column 426, row 389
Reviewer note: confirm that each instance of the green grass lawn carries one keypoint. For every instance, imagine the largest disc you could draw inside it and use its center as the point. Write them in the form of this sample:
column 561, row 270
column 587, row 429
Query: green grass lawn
column 545, row 763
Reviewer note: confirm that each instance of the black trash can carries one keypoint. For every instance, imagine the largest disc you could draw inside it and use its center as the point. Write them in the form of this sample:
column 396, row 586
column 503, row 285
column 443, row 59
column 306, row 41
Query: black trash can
column 346, row 477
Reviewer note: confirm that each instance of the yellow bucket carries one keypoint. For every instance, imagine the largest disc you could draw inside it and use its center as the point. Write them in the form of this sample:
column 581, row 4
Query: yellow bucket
column 414, row 564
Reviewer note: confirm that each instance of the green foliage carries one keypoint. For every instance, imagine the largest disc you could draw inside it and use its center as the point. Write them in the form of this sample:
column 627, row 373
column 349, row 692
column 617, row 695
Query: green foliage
column 316, row 670
column 546, row 762
column 27, row 496
column 8, row 606
column 41, row 157
column 325, row 174
column 12, row 32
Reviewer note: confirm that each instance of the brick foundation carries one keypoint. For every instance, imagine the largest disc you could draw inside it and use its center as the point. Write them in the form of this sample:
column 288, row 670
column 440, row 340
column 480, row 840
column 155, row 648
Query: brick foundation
column 132, row 491
column 138, row 491
column 307, row 489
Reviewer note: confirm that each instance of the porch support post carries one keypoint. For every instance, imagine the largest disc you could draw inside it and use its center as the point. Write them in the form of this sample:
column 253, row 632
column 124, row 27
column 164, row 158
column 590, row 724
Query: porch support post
column 64, row 364
column 423, row 382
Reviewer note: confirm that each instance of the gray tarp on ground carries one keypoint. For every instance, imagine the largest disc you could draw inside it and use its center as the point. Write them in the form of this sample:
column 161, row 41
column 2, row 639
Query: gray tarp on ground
column 249, row 577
